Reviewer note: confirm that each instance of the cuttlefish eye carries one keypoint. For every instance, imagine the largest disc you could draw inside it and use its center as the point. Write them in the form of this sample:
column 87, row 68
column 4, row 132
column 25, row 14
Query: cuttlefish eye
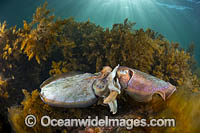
column 123, row 71
column 99, row 87
column 124, row 76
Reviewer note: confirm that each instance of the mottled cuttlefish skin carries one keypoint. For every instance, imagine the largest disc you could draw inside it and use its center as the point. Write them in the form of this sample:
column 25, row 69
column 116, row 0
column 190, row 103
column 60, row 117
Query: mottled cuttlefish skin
column 141, row 86
column 67, row 90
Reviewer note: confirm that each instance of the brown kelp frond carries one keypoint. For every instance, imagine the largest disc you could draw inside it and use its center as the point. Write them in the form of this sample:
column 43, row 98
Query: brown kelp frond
column 39, row 36
column 58, row 68
column 3, row 86
column 184, row 108
column 9, row 55
column 31, row 105
column 9, row 42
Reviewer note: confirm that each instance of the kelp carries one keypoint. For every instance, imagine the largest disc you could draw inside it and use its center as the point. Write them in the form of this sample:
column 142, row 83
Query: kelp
column 17, row 114
column 57, row 68
column 3, row 86
column 38, row 36
column 9, row 55
column 66, row 45
column 8, row 49
column 184, row 108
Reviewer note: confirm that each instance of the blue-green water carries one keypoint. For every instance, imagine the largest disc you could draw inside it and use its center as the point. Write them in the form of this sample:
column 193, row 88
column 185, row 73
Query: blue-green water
column 177, row 20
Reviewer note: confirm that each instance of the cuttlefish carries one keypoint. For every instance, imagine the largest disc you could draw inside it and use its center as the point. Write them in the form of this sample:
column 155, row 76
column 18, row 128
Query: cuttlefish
column 83, row 89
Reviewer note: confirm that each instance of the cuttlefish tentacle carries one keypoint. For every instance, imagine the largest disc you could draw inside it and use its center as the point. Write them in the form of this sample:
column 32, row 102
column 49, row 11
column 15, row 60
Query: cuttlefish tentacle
column 113, row 106
column 113, row 92
column 114, row 88
column 111, row 82
column 112, row 96
column 104, row 72
column 111, row 100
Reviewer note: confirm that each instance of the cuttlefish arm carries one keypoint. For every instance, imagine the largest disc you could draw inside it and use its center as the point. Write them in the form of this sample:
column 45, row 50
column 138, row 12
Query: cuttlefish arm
column 113, row 106
column 113, row 92
column 111, row 82
column 114, row 88
column 100, row 75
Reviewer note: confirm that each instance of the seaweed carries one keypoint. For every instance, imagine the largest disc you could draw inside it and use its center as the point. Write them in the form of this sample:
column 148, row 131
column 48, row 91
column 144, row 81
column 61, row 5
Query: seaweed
column 184, row 108
column 58, row 68
column 31, row 105
column 38, row 36
column 66, row 45
column 3, row 86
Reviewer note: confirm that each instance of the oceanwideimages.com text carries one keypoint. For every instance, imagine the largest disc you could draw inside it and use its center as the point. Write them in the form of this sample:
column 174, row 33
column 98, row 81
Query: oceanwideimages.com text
column 47, row 121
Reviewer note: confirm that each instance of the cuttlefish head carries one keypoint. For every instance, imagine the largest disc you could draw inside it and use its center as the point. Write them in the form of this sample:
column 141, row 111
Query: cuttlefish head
column 124, row 74
column 100, row 85
column 108, row 87
column 114, row 89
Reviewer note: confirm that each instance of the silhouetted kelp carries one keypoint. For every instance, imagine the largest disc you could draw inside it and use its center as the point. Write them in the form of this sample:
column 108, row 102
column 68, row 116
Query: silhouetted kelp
column 49, row 46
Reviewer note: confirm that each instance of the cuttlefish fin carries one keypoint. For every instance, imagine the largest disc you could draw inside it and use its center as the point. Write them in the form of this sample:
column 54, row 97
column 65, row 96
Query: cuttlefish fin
column 161, row 93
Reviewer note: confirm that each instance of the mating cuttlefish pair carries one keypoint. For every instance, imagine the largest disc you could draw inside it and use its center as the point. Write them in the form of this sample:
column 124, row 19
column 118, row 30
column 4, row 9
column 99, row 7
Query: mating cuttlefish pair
column 74, row 90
